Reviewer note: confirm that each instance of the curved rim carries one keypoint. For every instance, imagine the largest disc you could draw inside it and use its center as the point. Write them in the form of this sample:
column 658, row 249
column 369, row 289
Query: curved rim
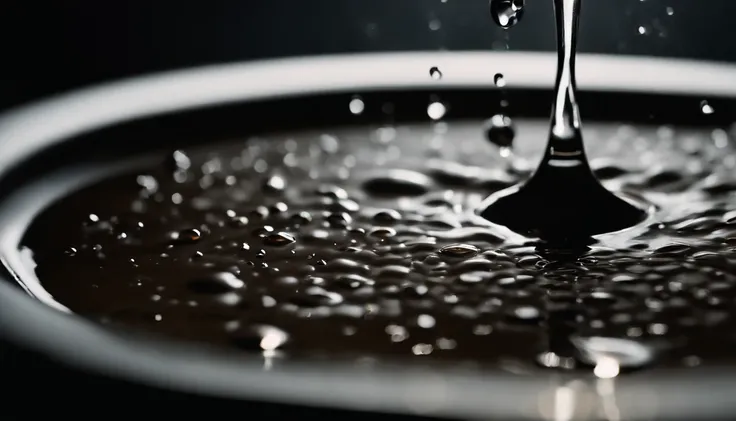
column 429, row 391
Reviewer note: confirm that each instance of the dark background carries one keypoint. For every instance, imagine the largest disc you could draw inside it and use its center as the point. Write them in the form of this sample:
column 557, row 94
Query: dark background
column 53, row 46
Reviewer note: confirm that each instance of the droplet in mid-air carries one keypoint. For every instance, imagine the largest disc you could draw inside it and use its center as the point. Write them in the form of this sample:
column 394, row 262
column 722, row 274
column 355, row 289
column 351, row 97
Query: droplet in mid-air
column 499, row 80
column 357, row 106
column 706, row 108
column 436, row 110
column 500, row 131
column 435, row 73
column 507, row 13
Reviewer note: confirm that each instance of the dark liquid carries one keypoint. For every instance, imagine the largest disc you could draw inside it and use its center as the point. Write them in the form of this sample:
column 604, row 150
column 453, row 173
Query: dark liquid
column 369, row 243
column 370, row 246
column 563, row 202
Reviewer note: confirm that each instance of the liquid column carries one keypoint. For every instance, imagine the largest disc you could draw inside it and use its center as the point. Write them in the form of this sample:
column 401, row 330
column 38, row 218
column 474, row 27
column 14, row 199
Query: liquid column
column 563, row 202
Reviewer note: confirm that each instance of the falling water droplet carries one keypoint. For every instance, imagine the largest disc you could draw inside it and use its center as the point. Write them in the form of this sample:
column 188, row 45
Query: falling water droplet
column 436, row 110
column 357, row 106
column 218, row 283
column 279, row 239
column 507, row 13
column 180, row 161
column 435, row 73
column 188, row 236
column 501, row 132
column 260, row 337
column 382, row 232
column 499, row 80
column 706, row 108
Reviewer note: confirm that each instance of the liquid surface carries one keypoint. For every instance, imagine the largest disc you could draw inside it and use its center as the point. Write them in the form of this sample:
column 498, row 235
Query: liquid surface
column 563, row 202
column 365, row 242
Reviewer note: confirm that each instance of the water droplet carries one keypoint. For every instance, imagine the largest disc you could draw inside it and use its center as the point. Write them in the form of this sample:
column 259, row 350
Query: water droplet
column 388, row 216
column 460, row 250
column 218, row 283
column 482, row 330
column 706, row 108
column 357, row 106
column 500, row 131
column 382, row 232
column 397, row 333
column 188, row 236
column 435, row 73
column 263, row 231
column 446, row 343
column 301, row 218
column 260, row 212
column 333, row 192
column 436, row 110
column 507, row 13
column 425, row 321
column 329, row 144
column 499, row 80
column 149, row 183
column 422, row 349
column 339, row 219
column 552, row 360
column 238, row 221
column 525, row 313
column 274, row 184
column 279, row 207
column 279, row 239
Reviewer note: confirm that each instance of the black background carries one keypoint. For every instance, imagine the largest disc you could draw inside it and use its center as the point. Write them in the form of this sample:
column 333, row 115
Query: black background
column 53, row 46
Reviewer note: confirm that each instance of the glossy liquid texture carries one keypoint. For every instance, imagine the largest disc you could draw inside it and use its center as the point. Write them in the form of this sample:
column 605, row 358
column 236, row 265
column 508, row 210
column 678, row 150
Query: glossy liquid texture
column 563, row 202
column 365, row 243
